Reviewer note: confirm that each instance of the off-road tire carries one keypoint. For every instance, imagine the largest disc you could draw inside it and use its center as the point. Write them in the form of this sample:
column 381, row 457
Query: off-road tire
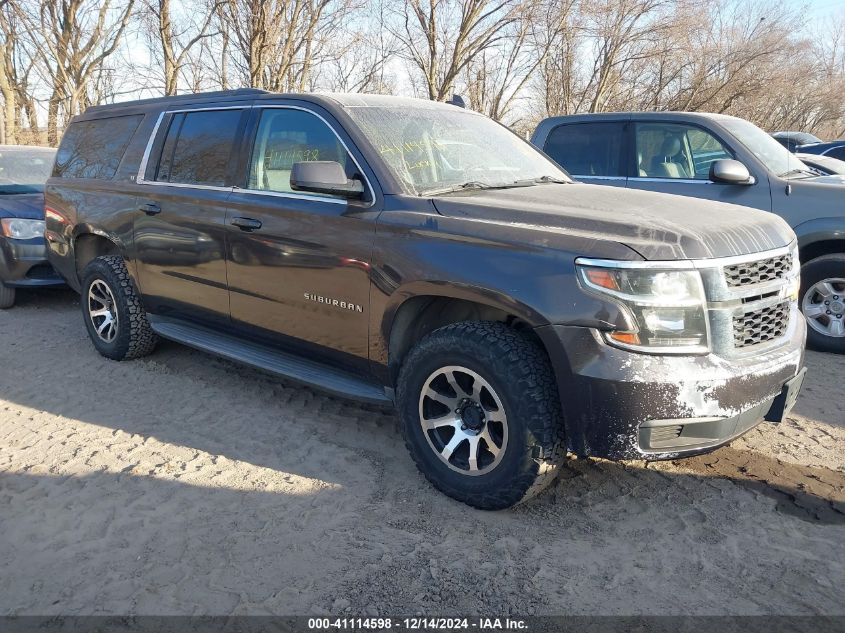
column 134, row 336
column 7, row 296
column 520, row 372
column 812, row 272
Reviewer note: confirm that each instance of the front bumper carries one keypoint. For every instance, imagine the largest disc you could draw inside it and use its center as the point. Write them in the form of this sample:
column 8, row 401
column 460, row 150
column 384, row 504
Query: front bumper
column 626, row 405
column 23, row 264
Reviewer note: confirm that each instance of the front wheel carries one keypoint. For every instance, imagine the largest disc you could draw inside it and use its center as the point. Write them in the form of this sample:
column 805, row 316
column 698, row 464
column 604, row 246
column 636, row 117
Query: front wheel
column 823, row 302
column 481, row 414
column 112, row 310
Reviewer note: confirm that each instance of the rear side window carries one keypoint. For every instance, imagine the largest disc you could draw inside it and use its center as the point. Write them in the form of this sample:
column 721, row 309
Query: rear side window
column 588, row 149
column 198, row 147
column 94, row 149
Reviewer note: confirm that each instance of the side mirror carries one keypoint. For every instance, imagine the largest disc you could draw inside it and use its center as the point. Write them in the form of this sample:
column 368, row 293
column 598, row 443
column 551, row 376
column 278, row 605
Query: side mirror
column 324, row 176
column 730, row 172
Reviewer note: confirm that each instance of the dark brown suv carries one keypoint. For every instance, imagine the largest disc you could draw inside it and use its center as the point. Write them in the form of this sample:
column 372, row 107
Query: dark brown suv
column 414, row 253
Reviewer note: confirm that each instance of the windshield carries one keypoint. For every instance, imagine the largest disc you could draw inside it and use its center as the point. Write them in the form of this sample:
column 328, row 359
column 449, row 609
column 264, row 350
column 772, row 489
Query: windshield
column 768, row 151
column 25, row 169
column 433, row 150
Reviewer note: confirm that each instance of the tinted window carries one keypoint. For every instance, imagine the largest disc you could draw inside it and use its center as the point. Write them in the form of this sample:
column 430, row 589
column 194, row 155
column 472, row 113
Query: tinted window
column 94, row 149
column 24, row 169
column 198, row 146
column 837, row 152
column 286, row 137
column 587, row 149
column 671, row 150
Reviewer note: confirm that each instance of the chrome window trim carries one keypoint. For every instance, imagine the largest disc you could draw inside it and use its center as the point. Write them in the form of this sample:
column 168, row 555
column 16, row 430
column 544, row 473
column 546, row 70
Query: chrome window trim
column 278, row 194
column 686, row 181
column 599, row 177
column 303, row 196
column 142, row 168
column 295, row 196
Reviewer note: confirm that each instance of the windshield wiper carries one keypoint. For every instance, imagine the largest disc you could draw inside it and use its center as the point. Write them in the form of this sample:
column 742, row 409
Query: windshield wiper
column 475, row 184
column 797, row 171
column 545, row 179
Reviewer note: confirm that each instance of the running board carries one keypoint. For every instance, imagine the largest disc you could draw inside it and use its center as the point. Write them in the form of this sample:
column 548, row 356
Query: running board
column 307, row 372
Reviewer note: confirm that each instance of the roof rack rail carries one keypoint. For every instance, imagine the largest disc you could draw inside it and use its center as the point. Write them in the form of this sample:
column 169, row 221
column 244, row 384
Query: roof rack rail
column 193, row 96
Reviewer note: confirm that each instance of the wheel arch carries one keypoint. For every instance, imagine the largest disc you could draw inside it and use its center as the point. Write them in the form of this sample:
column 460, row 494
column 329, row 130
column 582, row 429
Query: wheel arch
column 88, row 244
column 420, row 310
column 819, row 237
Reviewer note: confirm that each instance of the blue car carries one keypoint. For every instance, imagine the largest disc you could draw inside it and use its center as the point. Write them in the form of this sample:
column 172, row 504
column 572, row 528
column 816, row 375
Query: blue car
column 23, row 252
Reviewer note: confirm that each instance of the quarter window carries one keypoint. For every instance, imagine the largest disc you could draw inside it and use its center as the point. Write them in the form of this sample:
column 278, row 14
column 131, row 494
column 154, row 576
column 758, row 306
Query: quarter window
column 588, row 149
column 669, row 150
column 287, row 136
column 198, row 147
column 94, row 149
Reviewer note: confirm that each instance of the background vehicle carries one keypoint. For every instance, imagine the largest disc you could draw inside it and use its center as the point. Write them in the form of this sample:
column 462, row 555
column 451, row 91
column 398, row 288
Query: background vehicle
column 23, row 254
column 791, row 140
column 719, row 158
column 825, row 165
column 411, row 252
column 833, row 149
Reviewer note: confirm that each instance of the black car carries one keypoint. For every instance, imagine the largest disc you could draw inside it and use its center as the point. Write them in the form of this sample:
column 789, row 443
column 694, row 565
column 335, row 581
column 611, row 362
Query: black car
column 833, row 149
column 23, row 253
column 792, row 140
column 416, row 254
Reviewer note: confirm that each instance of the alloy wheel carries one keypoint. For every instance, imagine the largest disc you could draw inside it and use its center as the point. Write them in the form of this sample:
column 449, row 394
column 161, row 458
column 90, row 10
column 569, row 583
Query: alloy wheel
column 102, row 310
column 463, row 420
column 824, row 306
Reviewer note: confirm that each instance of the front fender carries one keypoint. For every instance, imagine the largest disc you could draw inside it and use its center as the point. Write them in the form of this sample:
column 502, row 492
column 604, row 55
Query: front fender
column 820, row 230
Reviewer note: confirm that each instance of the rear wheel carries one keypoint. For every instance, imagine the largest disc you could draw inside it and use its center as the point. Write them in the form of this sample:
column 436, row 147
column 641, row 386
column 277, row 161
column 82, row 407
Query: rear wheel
column 112, row 310
column 481, row 414
column 823, row 302
column 7, row 296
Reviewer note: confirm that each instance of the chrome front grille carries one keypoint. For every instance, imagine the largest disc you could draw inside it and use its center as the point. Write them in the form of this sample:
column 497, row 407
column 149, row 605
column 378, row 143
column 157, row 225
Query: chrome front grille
column 761, row 325
column 758, row 272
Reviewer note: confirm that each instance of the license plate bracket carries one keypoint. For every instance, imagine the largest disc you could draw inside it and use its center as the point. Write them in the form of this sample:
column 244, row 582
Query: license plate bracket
column 783, row 403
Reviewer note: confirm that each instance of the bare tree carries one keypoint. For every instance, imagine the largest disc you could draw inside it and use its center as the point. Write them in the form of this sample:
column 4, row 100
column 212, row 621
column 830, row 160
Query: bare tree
column 279, row 42
column 442, row 37
column 497, row 77
column 73, row 38
column 175, row 34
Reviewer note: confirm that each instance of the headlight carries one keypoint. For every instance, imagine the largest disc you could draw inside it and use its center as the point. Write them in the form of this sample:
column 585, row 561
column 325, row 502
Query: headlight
column 19, row 229
column 667, row 307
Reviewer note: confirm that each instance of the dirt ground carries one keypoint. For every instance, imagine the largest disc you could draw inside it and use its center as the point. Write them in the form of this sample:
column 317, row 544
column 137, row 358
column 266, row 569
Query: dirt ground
column 184, row 484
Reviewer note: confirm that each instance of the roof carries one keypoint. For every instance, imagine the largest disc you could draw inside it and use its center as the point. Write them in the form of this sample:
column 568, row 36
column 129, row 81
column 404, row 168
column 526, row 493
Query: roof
column 240, row 93
column 345, row 100
column 358, row 100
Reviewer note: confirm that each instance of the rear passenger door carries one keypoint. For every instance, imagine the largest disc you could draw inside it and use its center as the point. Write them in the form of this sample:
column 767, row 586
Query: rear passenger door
column 298, row 262
column 591, row 152
column 180, row 227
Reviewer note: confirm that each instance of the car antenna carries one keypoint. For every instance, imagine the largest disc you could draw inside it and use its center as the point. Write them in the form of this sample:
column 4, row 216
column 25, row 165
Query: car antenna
column 457, row 100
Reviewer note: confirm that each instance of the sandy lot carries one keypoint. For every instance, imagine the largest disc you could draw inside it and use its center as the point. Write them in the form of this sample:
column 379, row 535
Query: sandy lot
column 183, row 484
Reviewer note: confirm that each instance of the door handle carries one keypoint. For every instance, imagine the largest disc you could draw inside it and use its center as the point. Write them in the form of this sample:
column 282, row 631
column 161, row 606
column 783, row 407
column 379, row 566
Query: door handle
column 246, row 224
column 150, row 208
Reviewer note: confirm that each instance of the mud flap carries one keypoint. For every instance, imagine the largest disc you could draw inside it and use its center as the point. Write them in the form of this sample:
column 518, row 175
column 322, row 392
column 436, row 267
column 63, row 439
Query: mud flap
column 782, row 405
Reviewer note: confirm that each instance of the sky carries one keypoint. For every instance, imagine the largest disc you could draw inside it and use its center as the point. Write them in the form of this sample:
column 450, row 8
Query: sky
column 820, row 9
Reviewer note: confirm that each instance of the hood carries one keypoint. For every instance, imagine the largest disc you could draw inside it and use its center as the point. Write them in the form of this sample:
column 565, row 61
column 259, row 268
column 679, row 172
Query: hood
column 22, row 205
column 657, row 226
